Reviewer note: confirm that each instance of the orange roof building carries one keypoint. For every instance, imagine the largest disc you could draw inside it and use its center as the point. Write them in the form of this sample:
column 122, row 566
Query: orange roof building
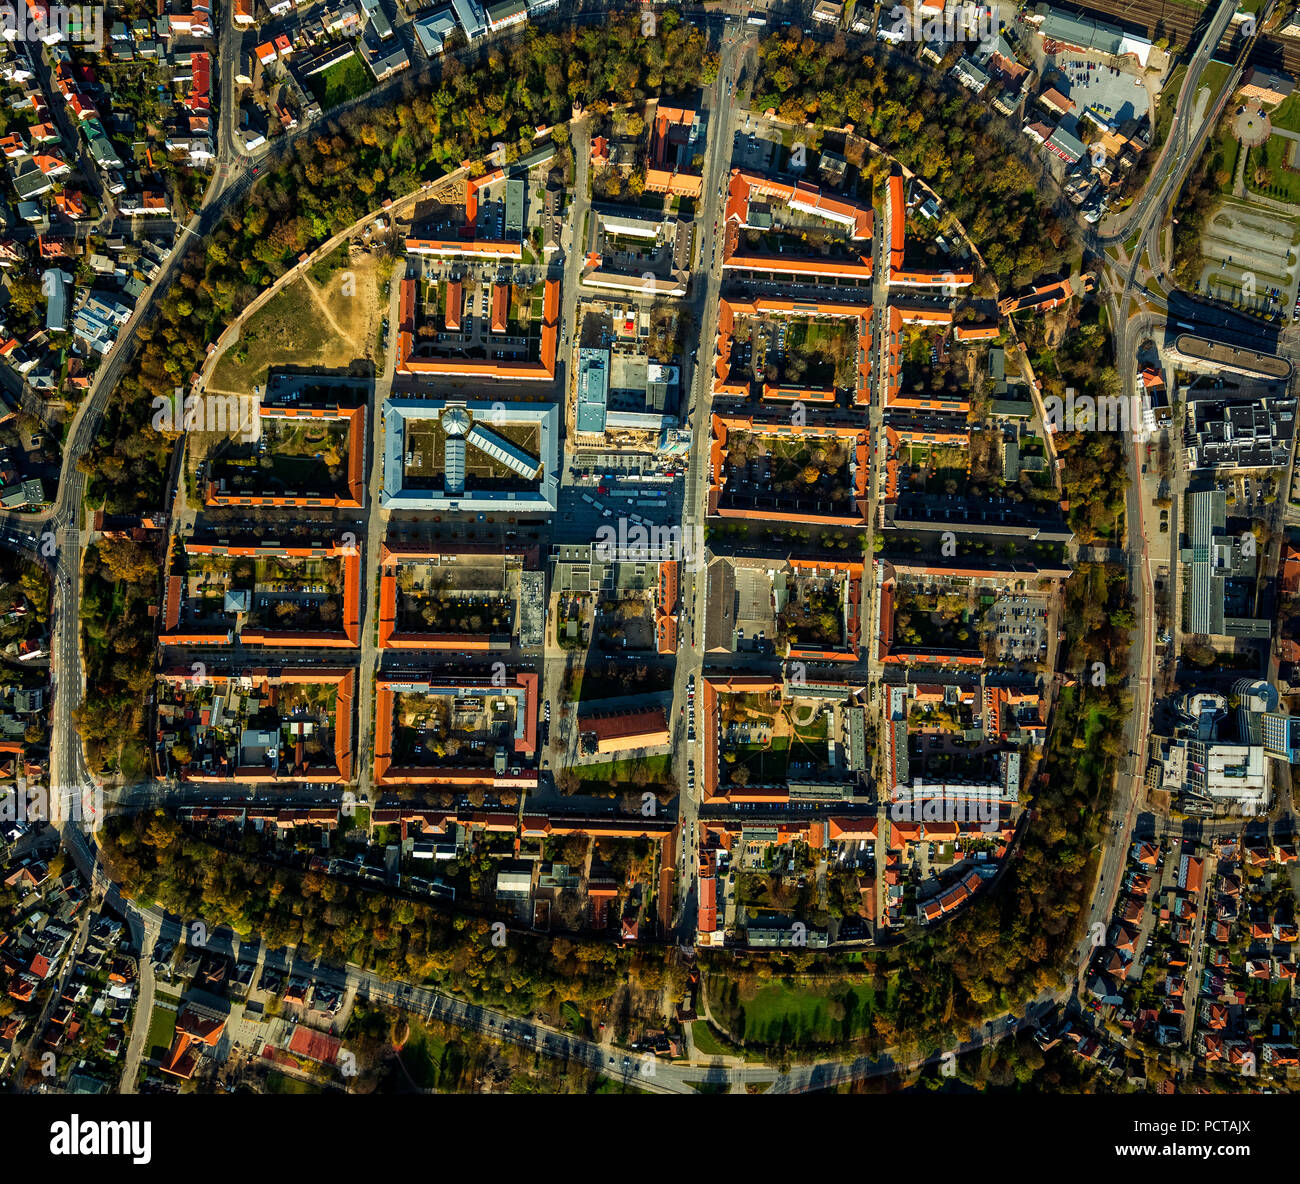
column 455, row 302
column 391, row 559
column 857, row 219
column 521, row 687
column 268, row 680
column 316, row 1046
column 970, row 332
column 626, row 731
column 542, row 370
column 725, row 385
column 1041, row 298
column 897, row 223
column 474, row 248
column 854, row 512
column 671, row 126
column 354, row 499
column 666, row 597
column 196, row 1030
column 500, row 307
column 707, row 920
column 348, row 636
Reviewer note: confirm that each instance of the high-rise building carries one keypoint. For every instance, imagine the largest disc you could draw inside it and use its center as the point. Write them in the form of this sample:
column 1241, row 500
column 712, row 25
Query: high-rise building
column 1281, row 736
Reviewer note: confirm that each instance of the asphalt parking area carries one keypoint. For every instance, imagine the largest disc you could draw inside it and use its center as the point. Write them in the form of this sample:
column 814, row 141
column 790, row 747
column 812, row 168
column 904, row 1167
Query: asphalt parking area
column 1250, row 258
column 1110, row 91
column 1019, row 628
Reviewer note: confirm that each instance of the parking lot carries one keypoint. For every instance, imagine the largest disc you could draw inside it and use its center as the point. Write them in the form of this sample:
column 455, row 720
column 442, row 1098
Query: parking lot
column 1111, row 91
column 600, row 489
column 1249, row 493
column 758, row 150
column 1250, row 258
column 1019, row 628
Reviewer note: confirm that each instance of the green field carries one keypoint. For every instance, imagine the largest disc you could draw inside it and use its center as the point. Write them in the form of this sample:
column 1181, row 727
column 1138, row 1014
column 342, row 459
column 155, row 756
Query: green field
column 767, row 762
column 658, row 769
column 342, row 82
column 162, row 1027
column 1165, row 112
column 1287, row 114
column 805, row 1013
column 583, row 685
column 432, row 1063
column 1285, row 182
column 287, row 329
column 706, row 1041
column 609, row 1085
column 573, row 1020
column 282, row 1083
column 1214, row 76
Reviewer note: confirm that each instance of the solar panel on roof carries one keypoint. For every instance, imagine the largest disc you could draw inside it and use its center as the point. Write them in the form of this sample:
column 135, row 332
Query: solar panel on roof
column 502, row 451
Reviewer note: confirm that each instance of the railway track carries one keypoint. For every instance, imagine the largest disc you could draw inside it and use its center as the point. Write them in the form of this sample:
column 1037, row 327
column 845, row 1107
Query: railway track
column 1277, row 53
column 1179, row 21
column 1173, row 19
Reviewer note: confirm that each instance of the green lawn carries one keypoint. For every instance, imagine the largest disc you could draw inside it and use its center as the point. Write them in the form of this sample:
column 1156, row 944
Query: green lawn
column 706, row 1041
column 1165, row 112
column 573, row 1018
column 807, row 1013
column 431, row 1062
column 809, row 742
column 1285, row 182
column 342, row 82
column 765, row 761
column 657, row 769
column 285, row 330
column 1287, row 114
column 162, row 1027
column 814, row 729
column 609, row 1085
column 594, row 684
column 1214, row 76
column 282, row 1083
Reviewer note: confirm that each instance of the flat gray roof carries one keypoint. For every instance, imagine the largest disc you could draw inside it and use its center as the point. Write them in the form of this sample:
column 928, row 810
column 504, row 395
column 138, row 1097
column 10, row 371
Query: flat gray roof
column 398, row 411
column 593, row 389
column 1237, row 357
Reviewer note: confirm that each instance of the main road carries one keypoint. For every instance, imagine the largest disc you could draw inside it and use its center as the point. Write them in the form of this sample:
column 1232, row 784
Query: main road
column 723, row 121
column 1187, row 139
column 1178, row 150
